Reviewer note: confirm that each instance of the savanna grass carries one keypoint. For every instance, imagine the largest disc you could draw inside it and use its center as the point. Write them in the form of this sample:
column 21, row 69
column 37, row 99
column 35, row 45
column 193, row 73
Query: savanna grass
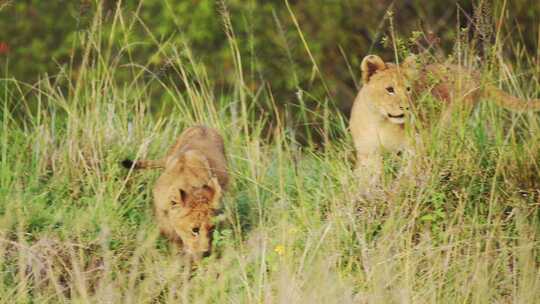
column 76, row 227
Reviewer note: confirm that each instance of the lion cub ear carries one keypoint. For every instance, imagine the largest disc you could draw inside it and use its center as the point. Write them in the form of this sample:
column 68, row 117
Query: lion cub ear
column 410, row 66
column 410, row 62
column 370, row 65
column 179, row 197
column 214, row 191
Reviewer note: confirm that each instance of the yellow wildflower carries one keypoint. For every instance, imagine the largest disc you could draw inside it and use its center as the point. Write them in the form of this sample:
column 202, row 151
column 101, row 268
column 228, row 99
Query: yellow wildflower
column 280, row 249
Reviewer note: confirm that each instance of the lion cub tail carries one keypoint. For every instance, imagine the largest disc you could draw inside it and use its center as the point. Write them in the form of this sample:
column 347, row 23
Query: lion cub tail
column 143, row 164
column 510, row 102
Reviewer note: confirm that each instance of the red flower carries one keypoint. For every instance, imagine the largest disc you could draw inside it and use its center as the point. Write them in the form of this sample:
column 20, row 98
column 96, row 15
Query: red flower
column 4, row 48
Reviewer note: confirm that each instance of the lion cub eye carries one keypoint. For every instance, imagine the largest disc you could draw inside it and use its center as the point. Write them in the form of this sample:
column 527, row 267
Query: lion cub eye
column 408, row 89
column 195, row 231
column 390, row 90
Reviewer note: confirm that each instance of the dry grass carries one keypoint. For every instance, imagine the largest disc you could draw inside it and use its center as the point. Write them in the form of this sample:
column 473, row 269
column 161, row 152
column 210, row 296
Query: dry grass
column 75, row 227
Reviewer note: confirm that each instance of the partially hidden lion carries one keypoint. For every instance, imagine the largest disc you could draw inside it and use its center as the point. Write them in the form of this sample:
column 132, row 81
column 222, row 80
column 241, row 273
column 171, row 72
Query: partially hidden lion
column 187, row 194
column 382, row 106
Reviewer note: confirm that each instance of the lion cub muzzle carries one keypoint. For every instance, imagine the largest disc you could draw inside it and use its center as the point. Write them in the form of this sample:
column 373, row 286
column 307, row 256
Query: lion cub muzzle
column 398, row 118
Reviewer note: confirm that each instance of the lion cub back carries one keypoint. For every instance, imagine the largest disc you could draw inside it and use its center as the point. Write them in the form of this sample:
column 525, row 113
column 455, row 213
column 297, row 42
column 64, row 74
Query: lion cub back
column 208, row 142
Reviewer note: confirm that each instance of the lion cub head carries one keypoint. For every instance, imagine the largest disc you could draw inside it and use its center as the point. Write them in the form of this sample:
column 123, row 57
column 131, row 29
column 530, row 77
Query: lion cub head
column 194, row 200
column 385, row 86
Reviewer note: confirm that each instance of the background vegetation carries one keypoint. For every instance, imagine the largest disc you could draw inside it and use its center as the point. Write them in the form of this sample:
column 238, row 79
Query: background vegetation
column 317, row 51
column 88, row 83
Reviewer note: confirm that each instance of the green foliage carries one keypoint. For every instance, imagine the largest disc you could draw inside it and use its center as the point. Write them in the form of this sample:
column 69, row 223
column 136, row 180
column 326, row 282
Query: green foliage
column 338, row 33
column 76, row 227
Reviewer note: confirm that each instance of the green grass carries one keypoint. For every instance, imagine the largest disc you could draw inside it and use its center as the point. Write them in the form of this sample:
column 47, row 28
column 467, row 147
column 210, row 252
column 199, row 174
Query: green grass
column 76, row 227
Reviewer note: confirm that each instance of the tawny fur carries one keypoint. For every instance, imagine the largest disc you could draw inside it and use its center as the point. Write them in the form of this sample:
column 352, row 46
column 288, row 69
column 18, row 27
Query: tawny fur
column 187, row 194
column 380, row 109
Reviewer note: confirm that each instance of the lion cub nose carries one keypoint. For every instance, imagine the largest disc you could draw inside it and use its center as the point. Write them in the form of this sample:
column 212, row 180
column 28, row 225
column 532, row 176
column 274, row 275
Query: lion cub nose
column 404, row 108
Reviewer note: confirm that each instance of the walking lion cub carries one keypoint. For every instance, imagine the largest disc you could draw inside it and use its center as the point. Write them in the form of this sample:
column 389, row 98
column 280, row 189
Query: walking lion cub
column 187, row 194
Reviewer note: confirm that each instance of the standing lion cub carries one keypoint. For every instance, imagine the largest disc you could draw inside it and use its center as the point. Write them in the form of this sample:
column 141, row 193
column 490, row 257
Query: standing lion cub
column 381, row 108
column 187, row 194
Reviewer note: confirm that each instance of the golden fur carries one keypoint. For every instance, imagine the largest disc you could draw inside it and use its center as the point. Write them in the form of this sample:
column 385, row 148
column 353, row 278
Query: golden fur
column 187, row 194
column 381, row 107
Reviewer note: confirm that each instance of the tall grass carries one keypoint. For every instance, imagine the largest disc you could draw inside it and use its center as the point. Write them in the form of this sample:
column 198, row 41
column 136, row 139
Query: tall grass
column 75, row 227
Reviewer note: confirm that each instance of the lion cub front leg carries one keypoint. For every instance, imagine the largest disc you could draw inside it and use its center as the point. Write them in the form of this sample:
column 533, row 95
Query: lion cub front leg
column 369, row 169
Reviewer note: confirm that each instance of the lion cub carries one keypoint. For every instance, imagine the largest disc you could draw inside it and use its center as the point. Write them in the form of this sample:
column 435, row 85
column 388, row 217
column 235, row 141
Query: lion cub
column 187, row 194
column 381, row 108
